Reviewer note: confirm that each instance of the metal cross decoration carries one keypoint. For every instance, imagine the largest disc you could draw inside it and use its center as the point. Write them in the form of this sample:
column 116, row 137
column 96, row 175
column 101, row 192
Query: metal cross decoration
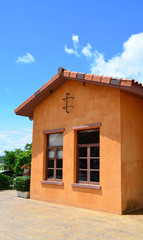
column 66, row 101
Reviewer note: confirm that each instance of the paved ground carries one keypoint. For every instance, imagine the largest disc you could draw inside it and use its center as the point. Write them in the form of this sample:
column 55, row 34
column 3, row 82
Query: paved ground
column 22, row 219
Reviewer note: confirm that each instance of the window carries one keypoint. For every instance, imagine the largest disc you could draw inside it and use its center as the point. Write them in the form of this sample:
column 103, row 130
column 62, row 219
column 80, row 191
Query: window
column 88, row 159
column 54, row 161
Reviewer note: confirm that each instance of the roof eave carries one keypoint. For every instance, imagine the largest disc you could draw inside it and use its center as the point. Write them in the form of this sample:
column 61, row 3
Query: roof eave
column 27, row 107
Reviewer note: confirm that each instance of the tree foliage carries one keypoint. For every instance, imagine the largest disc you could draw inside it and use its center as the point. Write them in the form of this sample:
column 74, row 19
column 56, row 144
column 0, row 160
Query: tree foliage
column 9, row 159
column 13, row 160
column 22, row 158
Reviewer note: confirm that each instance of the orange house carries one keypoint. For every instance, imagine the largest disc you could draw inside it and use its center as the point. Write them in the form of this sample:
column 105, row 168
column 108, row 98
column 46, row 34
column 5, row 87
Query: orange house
column 87, row 146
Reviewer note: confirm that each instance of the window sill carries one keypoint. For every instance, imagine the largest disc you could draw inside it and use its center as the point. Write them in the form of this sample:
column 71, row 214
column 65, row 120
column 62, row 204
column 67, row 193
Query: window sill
column 52, row 182
column 90, row 186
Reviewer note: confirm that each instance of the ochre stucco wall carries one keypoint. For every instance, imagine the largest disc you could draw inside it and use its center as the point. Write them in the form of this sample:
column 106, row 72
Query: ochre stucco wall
column 131, row 151
column 92, row 103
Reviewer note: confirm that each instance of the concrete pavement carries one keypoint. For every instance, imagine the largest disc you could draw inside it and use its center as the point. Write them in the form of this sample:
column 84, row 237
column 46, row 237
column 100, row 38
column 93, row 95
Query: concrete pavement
column 26, row 219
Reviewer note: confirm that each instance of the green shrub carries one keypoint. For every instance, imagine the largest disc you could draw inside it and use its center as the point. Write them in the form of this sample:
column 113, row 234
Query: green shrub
column 5, row 182
column 22, row 183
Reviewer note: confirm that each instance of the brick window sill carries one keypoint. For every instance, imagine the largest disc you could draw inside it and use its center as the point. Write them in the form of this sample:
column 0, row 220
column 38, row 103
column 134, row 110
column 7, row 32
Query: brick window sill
column 90, row 186
column 52, row 182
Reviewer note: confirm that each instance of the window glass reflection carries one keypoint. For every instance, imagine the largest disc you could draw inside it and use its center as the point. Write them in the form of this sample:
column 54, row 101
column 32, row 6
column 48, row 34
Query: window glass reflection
column 58, row 174
column 59, row 153
column 82, row 175
column 51, row 153
column 50, row 173
column 56, row 139
column 88, row 136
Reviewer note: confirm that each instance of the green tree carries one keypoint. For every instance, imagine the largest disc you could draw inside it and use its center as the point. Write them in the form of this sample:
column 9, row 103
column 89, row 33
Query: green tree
column 9, row 159
column 13, row 160
column 28, row 146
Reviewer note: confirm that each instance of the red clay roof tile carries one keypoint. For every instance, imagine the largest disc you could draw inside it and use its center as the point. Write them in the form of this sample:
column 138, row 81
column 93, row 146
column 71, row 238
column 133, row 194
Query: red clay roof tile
column 73, row 74
column 66, row 73
column 88, row 77
column 126, row 82
column 96, row 78
column 105, row 79
column 50, row 82
column 27, row 107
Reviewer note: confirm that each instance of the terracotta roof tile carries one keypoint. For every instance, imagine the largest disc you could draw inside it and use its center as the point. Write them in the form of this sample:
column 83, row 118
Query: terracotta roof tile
column 115, row 81
column 66, row 73
column 80, row 76
column 73, row 74
column 140, row 84
column 27, row 107
column 88, row 77
column 105, row 79
column 50, row 82
column 126, row 82
column 96, row 78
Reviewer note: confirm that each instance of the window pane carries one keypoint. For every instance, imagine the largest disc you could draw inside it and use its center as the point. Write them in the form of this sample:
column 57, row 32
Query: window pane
column 50, row 163
column 51, row 153
column 56, row 139
column 88, row 136
column 82, row 175
column 59, row 174
column 60, row 153
column 94, row 176
column 59, row 163
column 83, row 152
column 94, row 152
column 50, row 173
column 82, row 163
column 94, row 163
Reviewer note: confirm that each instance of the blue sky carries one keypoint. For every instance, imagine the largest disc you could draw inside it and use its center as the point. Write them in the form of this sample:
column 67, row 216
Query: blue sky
column 37, row 37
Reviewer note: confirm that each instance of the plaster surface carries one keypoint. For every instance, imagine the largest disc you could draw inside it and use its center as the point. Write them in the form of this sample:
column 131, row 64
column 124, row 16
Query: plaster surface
column 92, row 104
column 131, row 151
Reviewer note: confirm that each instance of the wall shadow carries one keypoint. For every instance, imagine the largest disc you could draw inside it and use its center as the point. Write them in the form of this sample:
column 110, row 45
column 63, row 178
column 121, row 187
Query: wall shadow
column 135, row 212
column 85, row 190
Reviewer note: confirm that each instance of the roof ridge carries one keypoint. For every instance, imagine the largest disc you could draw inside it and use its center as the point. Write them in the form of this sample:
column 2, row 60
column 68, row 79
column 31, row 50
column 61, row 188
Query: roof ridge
column 128, row 85
column 90, row 76
column 61, row 70
column 95, row 78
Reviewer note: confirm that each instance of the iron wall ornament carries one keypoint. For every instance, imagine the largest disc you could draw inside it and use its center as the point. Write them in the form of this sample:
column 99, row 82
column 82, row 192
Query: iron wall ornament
column 66, row 99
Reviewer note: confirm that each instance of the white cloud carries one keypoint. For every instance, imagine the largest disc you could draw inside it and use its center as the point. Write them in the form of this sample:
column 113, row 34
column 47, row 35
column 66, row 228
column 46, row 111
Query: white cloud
column 16, row 132
column 75, row 46
column 127, row 64
column 71, row 51
column 28, row 58
column 75, row 38
column 86, row 51
column 27, row 138
column 75, row 41
column 10, row 140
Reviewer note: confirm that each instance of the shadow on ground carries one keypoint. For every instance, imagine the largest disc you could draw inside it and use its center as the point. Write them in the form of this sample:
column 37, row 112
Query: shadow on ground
column 137, row 212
